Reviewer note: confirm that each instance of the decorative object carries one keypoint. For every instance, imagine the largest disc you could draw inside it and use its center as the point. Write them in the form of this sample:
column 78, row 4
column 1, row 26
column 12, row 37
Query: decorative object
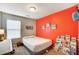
column 67, row 44
column 58, row 44
column 2, row 35
column 47, row 24
column 78, row 46
column 53, row 26
column 29, row 27
column 75, row 14
column 73, row 46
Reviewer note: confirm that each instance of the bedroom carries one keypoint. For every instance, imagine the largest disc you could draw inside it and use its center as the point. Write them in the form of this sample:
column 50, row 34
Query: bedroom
column 38, row 29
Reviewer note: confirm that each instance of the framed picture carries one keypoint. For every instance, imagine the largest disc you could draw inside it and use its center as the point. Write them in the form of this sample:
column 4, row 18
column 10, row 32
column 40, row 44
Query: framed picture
column 29, row 27
column 53, row 26
column 47, row 24
column 43, row 27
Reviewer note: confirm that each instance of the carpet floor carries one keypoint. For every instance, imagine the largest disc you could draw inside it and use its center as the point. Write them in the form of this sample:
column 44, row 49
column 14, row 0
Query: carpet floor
column 21, row 50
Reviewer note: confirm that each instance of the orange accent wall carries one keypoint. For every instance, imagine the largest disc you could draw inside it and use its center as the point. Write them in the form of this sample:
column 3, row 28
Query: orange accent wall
column 64, row 22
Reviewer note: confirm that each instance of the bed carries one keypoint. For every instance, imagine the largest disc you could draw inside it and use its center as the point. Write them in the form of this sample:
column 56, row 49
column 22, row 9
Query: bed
column 6, row 47
column 36, row 44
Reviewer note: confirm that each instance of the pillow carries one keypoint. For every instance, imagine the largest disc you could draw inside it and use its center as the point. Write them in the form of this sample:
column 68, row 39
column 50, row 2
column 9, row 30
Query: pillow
column 29, row 37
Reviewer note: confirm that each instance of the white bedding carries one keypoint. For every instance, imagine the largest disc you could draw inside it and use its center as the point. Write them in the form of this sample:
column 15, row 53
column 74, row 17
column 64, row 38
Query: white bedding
column 36, row 44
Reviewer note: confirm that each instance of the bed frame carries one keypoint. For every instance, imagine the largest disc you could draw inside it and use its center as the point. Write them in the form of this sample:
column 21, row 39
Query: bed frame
column 39, row 53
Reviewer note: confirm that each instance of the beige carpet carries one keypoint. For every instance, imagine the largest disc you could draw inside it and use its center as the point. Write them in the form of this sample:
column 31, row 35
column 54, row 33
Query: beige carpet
column 23, row 51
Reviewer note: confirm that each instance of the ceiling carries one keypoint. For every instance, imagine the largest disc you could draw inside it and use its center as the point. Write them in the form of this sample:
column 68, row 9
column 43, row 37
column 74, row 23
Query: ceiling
column 43, row 9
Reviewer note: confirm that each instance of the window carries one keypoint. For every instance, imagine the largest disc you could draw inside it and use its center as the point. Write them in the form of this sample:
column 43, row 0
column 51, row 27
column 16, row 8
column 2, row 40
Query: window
column 13, row 29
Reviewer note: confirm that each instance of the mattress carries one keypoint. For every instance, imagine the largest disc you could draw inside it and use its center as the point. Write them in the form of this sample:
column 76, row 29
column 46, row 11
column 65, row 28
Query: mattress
column 36, row 44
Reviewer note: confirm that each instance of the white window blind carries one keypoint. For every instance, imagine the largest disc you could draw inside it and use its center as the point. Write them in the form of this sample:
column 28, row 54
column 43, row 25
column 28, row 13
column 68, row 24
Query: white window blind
column 13, row 29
